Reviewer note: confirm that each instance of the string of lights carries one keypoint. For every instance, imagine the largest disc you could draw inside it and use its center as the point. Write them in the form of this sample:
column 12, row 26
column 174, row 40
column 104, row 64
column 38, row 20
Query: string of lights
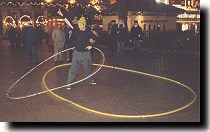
column 34, row 4
column 41, row 21
column 98, row 5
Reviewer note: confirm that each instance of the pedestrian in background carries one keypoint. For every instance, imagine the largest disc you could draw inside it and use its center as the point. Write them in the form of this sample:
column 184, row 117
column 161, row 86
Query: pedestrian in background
column 121, row 37
column 30, row 40
column 59, row 40
column 136, row 37
column 69, row 42
column 41, row 34
column 112, row 35
column 12, row 38
column 18, row 37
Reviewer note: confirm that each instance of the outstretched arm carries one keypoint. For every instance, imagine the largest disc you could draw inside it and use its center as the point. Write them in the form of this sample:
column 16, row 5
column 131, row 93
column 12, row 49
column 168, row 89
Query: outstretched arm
column 65, row 19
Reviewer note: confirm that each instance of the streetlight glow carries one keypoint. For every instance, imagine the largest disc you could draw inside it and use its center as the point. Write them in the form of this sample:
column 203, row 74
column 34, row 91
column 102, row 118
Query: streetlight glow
column 48, row 1
column 93, row 2
column 72, row 1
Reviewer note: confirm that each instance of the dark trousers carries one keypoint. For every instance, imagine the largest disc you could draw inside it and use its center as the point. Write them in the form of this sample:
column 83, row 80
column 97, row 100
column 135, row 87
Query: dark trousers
column 112, row 45
column 12, row 44
column 70, row 52
column 33, row 58
column 136, row 46
column 120, row 48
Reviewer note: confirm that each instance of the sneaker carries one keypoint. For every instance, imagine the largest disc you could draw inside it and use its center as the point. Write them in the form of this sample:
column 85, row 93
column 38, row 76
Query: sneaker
column 68, row 87
column 92, row 82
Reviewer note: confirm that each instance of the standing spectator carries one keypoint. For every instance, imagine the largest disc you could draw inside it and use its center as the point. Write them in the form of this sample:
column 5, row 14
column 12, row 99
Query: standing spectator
column 112, row 35
column 136, row 36
column 121, row 38
column 93, row 29
column 50, row 40
column 59, row 40
column 41, row 34
column 69, row 42
column 12, row 38
column 18, row 37
column 30, row 40
column 23, row 31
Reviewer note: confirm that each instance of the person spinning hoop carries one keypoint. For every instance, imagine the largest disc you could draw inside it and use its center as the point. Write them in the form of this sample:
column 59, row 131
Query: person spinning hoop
column 81, row 55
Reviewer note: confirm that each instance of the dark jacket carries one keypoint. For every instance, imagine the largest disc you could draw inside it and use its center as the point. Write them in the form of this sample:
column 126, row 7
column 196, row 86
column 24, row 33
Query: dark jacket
column 30, row 36
column 113, row 31
column 136, row 33
column 82, row 38
column 12, row 34
column 69, row 42
column 121, row 34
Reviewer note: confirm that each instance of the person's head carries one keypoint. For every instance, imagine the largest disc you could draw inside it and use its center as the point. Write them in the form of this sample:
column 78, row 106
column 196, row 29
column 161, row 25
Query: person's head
column 113, row 22
column 67, row 26
column 121, row 24
column 58, row 26
column 82, row 23
column 135, row 24
column 75, row 21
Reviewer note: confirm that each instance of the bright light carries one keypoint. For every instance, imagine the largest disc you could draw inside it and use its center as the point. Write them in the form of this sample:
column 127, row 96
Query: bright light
column 98, row 8
column 157, row 1
column 6, row 21
column 72, row 1
column 41, row 20
column 25, row 22
column 48, row 1
column 185, row 27
column 93, row 2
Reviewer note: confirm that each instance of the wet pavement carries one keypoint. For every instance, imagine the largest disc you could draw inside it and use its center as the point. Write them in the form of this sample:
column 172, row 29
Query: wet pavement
column 116, row 92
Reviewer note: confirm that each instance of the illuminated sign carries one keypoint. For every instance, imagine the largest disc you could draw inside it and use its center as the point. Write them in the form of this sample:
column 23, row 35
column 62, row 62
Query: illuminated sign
column 145, row 21
column 191, row 16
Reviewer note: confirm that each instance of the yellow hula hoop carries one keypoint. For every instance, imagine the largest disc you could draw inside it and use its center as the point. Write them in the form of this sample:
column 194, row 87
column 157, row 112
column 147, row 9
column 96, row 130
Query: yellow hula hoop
column 119, row 115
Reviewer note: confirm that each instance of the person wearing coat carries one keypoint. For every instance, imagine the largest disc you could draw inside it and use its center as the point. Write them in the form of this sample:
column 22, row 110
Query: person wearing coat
column 58, row 37
column 30, row 40
column 12, row 38
column 69, row 42
column 112, row 35
column 136, row 36
column 121, row 38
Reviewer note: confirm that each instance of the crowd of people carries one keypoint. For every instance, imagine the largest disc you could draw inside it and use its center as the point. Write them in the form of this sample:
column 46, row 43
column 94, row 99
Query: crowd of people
column 77, row 35
column 60, row 38
column 28, row 37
